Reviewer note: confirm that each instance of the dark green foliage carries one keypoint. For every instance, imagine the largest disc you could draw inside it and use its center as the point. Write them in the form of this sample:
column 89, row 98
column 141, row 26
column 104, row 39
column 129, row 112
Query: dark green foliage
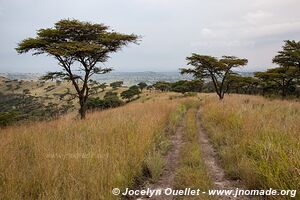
column 289, row 56
column 150, row 87
column 96, row 87
column 116, row 84
column 8, row 118
column 242, row 85
column 208, row 87
column 134, row 88
column 142, row 85
column 181, row 86
column 110, row 100
column 187, row 86
column 75, row 43
column 283, row 79
column 162, row 86
column 17, row 107
column 110, row 94
column 211, row 67
column 131, row 93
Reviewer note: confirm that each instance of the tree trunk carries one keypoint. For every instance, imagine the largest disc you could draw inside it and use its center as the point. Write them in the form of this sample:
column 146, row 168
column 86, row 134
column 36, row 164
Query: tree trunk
column 221, row 95
column 83, row 108
column 283, row 92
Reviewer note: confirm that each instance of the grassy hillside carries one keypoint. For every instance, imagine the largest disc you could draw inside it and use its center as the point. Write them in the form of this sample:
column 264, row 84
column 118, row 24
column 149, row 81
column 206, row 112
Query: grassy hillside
column 257, row 139
column 192, row 172
column 22, row 100
column 63, row 159
column 49, row 90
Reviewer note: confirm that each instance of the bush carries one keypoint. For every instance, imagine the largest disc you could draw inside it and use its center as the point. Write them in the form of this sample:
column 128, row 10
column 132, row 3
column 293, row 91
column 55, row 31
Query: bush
column 116, row 84
column 131, row 93
column 7, row 118
column 181, row 86
column 110, row 100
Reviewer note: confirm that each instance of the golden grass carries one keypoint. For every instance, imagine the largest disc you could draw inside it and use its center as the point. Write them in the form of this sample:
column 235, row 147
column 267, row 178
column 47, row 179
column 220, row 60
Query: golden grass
column 38, row 90
column 257, row 139
column 69, row 159
column 192, row 172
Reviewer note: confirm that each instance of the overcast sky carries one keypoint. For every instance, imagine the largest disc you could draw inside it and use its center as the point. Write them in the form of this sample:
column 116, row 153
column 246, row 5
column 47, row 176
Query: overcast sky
column 171, row 30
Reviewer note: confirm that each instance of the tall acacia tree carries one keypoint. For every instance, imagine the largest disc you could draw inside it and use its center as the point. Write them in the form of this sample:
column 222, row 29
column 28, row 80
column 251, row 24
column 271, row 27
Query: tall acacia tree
column 289, row 56
column 78, row 47
column 283, row 79
column 218, row 70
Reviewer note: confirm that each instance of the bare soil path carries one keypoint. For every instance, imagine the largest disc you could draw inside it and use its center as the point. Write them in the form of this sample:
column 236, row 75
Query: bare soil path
column 211, row 159
column 167, row 178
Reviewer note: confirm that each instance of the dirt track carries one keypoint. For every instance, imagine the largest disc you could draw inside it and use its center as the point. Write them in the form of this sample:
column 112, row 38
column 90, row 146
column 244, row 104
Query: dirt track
column 210, row 157
column 168, row 175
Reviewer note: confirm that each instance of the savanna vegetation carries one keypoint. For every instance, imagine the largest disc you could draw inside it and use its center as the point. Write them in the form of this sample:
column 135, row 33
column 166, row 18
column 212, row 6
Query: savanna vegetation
column 256, row 139
column 125, row 139
column 73, row 43
column 219, row 75
column 192, row 171
column 85, row 160
column 36, row 100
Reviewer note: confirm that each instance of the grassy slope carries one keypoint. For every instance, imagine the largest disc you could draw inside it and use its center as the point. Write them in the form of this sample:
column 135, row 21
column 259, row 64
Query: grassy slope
column 81, row 159
column 257, row 139
column 192, row 172
column 37, row 89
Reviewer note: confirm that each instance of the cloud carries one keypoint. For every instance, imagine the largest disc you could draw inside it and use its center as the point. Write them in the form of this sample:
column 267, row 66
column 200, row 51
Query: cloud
column 171, row 29
column 206, row 32
column 258, row 17
column 271, row 30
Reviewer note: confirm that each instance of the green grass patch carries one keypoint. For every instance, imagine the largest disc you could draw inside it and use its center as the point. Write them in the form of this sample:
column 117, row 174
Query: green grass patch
column 192, row 172
column 257, row 140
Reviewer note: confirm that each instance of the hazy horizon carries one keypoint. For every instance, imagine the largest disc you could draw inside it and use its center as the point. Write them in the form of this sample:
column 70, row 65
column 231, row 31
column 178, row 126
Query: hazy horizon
column 170, row 30
column 119, row 71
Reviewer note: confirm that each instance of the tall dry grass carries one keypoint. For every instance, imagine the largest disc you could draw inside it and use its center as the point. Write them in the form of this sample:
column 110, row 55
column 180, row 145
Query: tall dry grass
column 257, row 139
column 73, row 159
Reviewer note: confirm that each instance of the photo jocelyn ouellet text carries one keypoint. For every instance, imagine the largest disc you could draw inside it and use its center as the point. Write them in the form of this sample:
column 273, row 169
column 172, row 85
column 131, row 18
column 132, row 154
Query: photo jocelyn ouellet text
column 197, row 192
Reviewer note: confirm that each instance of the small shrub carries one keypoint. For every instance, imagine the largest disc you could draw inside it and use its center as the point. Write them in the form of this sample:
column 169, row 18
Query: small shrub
column 7, row 118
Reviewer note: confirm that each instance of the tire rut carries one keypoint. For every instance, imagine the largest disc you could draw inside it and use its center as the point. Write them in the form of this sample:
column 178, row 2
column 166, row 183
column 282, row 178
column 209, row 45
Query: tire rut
column 215, row 171
column 167, row 178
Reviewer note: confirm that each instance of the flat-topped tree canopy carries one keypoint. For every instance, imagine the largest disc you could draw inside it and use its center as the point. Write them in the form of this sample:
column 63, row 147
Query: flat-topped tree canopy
column 229, row 62
column 73, row 41
column 76, row 40
column 283, row 79
column 218, row 70
column 202, row 64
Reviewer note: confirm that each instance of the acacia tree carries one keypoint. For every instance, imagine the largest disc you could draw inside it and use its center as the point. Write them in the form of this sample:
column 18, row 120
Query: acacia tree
column 280, row 78
column 289, row 56
column 116, row 84
column 78, row 47
column 131, row 92
column 217, row 70
column 239, row 84
column 142, row 85
column 162, row 86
